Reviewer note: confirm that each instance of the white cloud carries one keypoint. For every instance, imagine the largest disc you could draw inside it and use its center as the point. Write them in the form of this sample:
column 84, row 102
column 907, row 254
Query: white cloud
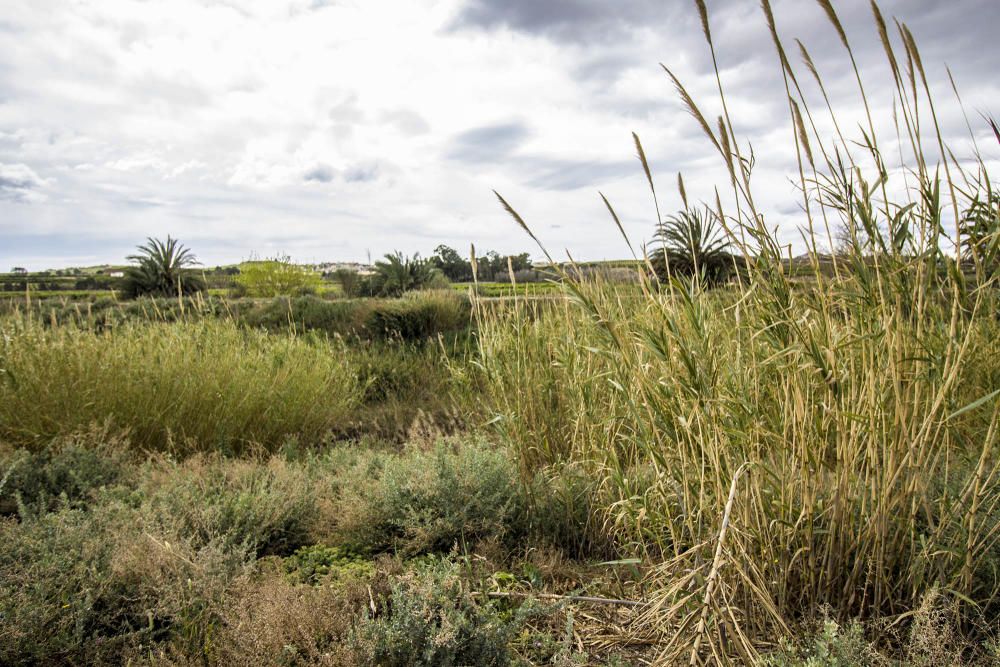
column 326, row 129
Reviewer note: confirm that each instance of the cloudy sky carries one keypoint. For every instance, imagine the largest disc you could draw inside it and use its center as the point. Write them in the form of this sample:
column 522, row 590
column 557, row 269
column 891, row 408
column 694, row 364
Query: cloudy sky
column 335, row 129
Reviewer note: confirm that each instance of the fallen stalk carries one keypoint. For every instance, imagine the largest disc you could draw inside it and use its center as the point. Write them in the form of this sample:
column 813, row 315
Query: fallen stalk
column 553, row 596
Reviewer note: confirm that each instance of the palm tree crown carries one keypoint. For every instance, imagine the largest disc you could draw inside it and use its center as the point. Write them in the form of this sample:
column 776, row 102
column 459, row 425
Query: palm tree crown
column 692, row 243
column 161, row 268
column 397, row 274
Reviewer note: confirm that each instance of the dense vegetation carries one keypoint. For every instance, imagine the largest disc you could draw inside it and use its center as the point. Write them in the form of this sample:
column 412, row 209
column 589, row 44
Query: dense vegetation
column 785, row 464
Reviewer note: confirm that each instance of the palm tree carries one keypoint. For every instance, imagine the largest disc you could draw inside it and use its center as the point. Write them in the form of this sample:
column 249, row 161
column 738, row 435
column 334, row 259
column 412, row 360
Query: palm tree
column 398, row 274
column 692, row 243
column 162, row 269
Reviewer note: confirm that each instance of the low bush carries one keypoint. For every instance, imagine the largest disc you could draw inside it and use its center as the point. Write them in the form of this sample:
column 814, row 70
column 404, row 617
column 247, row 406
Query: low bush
column 268, row 621
column 67, row 472
column 266, row 509
column 90, row 586
column 391, row 618
column 423, row 502
column 429, row 619
column 931, row 636
column 307, row 313
column 143, row 564
column 320, row 563
column 418, row 315
column 58, row 598
column 562, row 510
column 415, row 316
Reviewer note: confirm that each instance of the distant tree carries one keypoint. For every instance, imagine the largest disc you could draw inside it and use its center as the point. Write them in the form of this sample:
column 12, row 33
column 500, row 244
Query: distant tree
column 277, row 277
column 451, row 264
column 521, row 262
column 692, row 243
column 87, row 283
column 162, row 268
column 397, row 274
column 490, row 267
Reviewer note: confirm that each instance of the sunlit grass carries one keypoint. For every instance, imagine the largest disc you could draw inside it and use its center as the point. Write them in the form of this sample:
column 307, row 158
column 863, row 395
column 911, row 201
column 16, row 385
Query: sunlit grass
column 195, row 383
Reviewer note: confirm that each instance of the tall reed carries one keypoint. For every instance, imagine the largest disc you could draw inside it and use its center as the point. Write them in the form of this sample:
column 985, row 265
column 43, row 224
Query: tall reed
column 777, row 447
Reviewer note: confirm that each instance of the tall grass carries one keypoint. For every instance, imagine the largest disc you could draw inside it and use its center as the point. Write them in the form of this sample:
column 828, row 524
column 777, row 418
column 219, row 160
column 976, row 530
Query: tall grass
column 416, row 316
column 205, row 384
column 778, row 449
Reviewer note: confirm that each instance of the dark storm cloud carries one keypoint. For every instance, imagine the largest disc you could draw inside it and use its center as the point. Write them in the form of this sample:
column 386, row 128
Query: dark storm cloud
column 488, row 143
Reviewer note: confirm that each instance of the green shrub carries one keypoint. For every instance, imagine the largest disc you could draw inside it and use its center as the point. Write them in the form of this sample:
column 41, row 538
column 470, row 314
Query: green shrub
column 57, row 593
column 418, row 316
column 387, row 371
column 307, row 313
column 66, row 472
column 430, row 619
column 266, row 509
column 563, row 509
column 831, row 646
column 90, row 587
column 319, row 563
column 277, row 277
column 422, row 502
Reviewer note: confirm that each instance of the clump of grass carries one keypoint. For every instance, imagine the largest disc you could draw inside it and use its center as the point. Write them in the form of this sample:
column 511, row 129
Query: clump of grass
column 201, row 385
column 779, row 447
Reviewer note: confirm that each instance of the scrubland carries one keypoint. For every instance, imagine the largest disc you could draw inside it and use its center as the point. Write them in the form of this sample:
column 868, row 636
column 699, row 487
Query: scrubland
column 783, row 470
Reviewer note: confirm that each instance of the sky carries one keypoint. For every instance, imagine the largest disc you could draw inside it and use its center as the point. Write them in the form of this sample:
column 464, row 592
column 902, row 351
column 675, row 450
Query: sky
column 345, row 129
